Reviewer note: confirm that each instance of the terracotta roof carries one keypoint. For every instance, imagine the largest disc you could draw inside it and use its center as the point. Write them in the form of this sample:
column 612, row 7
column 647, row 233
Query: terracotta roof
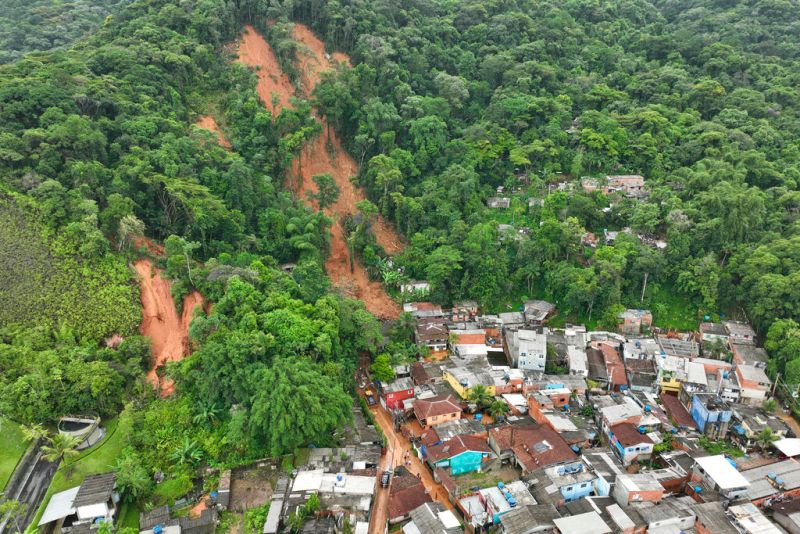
column 471, row 339
column 628, row 435
column 430, row 436
column 456, row 446
column 424, row 408
column 418, row 373
column 677, row 411
column 407, row 492
column 534, row 446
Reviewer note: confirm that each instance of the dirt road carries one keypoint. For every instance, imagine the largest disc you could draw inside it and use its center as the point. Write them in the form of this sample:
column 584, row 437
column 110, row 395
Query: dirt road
column 323, row 155
column 397, row 444
column 790, row 421
column 207, row 122
column 168, row 332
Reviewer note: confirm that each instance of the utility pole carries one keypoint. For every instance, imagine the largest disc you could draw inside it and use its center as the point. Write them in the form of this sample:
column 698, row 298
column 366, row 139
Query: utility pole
column 775, row 385
column 644, row 286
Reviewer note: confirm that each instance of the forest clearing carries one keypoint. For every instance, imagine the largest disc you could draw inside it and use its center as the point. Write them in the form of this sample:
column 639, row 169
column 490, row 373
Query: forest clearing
column 323, row 155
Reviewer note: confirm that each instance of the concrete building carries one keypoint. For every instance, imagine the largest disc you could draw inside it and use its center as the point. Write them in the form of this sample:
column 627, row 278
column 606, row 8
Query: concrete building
column 634, row 321
column 526, row 349
column 629, row 444
column 739, row 332
column 642, row 487
column 588, row 523
column 749, row 520
column 721, row 476
column 711, row 414
column 711, row 519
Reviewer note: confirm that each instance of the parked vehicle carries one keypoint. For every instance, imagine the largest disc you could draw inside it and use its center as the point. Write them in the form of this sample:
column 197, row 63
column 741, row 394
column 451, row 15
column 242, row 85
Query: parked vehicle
column 386, row 477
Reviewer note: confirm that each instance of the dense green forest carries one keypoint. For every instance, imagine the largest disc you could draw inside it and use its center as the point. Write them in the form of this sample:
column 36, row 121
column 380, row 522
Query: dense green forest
column 41, row 25
column 446, row 101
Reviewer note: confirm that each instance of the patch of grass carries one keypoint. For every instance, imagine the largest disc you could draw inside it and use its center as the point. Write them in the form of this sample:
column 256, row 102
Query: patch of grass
column 672, row 309
column 171, row 490
column 45, row 284
column 129, row 516
column 12, row 447
column 98, row 459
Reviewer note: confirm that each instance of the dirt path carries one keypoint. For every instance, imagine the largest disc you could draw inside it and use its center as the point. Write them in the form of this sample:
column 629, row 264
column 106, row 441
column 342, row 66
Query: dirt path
column 316, row 158
column 397, row 444
column 207, row 122
column 274, row 87
column 168, row 332
column 790, row 421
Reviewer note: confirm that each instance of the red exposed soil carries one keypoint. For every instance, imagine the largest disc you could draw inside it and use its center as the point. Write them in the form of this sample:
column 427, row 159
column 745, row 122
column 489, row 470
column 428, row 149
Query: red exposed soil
column 255, row 52
column 316, row 158
column 168, row 332
column 207, row 122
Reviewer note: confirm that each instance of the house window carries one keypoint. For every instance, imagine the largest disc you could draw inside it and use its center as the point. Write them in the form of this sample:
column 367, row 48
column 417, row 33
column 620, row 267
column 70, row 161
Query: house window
column 584, row 485
column 434, row 418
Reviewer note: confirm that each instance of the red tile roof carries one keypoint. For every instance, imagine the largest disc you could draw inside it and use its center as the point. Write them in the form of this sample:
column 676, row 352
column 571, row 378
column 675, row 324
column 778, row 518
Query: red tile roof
column 456, row 446
column 534, row 446
column 628, row 435
column 407, row 492
column 471, row 339
column 425, row 408
column 418, row 373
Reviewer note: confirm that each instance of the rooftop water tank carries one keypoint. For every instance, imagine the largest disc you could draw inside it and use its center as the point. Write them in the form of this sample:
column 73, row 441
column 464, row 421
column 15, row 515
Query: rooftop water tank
column 478, row 416
column 157, row 529
column 698, row 489
column 647, row 408
column 500, row 485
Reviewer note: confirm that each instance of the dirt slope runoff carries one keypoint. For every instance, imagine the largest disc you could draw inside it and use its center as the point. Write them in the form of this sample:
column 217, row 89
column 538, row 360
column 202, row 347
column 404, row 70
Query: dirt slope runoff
column 315, row 158
column 168, row 332
column 207, row 122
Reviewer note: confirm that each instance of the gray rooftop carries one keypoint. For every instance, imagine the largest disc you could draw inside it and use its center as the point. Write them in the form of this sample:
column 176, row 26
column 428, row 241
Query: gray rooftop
column 95, row 489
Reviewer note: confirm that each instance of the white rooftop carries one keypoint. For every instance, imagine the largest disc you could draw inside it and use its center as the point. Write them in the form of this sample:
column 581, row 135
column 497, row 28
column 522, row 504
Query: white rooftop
column 515, row 399
column 362, row 527
column 318, row 480
column 618, row 412
column 588, row 523
column 619, row 517
column 788, row 446
column 720, row 470
column 560, row 422
column 60, row 505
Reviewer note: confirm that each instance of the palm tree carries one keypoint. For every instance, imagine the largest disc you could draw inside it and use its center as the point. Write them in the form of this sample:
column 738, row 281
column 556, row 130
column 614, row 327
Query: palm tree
column 498, row 408
column 188, row 452
column 34, row 432
column 769, row 405
column 765, row 438
column 480, row 396
column 208, row 414
column 61, row 447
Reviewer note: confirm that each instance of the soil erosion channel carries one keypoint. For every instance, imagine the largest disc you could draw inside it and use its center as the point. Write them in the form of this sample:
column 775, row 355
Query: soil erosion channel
column 168, row 331
column 275, row 89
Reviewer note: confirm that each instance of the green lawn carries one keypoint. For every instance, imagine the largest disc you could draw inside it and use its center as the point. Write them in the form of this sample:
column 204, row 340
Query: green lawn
column 98, row 459
column 12, row 446
column 128, row 516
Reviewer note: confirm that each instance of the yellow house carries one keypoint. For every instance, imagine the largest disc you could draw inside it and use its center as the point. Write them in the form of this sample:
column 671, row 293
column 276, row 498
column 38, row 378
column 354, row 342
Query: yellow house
column 669, row 382
column 462, row 380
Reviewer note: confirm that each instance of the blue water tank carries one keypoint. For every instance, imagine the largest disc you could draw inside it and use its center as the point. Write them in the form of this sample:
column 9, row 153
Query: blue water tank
column 647, row 408
column 642, row 430
column 157, row 529
column 214, row 494
column 478, row 416
column 339, row 477
column 698, row 489
column 731, row 461
column 500, row 485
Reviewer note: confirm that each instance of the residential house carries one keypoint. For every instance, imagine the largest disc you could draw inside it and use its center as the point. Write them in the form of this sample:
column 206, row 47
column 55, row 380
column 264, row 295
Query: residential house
column 740, row 333
column 432, row 518
column 671, row 515
column 576, row 384
column 511, row 319
column 711, row 414
column 462, row 454
column 634, row 321
column 530, row 519
column 747, row 354
column 406, row 493
column 749, row 421
column 680, row 348
column 431, row 332
column 340, row 492
column 748, row 519
column 578, row 361
column 711, row 519
column 590, row 184
column 531, row 447
column 93, row 502
column 498, row 202
column 721, row 476
column 754, row 383
column 767, row 481
column 629, row 444
column 631, row 185
column 159, row 521
column 787, row 515
column 588, row 523
column 463, row 377
column 486, row 506
column 468, row 343
column 436, row 410
column 526, row 349
column 419, row 374
column 589, row 239
column 572, row 481
column 395, row 392
column 641, row 487
column 537, row 311
column 606, row 468
column 624, row 410
column 642, row 375
column 605, row 364
column 422, row 310
column 711, row 332
column 419, row 287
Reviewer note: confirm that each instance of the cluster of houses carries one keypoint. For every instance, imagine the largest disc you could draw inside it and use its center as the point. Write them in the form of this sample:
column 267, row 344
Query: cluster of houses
column 613, row 444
